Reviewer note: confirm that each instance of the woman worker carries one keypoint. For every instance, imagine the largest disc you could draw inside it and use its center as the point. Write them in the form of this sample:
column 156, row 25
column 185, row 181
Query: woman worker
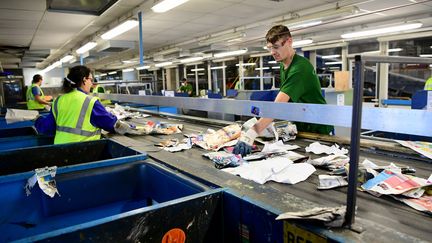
column 36, row 100
column 75, row 116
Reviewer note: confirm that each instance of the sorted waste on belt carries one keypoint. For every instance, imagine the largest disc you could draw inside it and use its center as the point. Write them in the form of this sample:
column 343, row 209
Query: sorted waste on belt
column 329, row 216
column 122, row 112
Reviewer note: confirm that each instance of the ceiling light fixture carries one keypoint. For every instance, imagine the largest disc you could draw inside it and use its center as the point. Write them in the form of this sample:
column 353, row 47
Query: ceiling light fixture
column 305, row 24
column 163, row 64
column 103, row 75
column 197, row 69
column 272, row 62
column 52, row 66
column 333, row 63
column 119, row 29
column 218, row 67
column 264, row 68
column 380, row 31
column 300, row 43
column 66, row 58
column 142, row 67
column 165, row 5
column 191, row 59
column 228, row 38
column 87, row 47
column 425, row 55
column 330, row 56
column 128, row 70
column 129, row 61
column 111, row 73
column 246, row 64
column 230, row 53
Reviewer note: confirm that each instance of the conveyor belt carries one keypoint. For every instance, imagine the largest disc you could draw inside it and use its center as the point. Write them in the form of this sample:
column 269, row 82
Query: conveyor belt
column 383, row 219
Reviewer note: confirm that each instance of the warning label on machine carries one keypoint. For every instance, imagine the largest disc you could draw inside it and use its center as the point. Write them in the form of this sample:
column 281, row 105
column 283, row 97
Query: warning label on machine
column 294, row 234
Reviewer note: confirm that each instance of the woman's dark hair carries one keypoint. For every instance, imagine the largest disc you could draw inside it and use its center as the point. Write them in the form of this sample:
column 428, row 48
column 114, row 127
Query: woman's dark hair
column 277, row 32
column 75, row 78
column 36, row 78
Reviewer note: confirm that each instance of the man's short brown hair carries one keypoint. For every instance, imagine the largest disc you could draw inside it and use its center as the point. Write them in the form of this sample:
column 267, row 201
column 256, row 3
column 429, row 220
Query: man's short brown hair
column 277, row 32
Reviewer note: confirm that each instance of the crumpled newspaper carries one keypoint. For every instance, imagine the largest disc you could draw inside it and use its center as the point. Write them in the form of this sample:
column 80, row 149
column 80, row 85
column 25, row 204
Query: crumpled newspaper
column 318, row 148
column 286, row 131
column 330, row 216
column 223, row 159
column 331, row 181
column 121, row 112
column 173, row 145
column 45, row 179
column 16, row 115
column 156, row 128
column 331, row 162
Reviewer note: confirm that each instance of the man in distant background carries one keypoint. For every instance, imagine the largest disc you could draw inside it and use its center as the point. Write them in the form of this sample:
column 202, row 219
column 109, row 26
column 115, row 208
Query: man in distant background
column 96, row 88
column 186, row 87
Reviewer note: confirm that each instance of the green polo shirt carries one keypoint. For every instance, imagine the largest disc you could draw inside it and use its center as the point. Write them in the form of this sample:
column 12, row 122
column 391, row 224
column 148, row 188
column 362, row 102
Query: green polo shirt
column 300, row 82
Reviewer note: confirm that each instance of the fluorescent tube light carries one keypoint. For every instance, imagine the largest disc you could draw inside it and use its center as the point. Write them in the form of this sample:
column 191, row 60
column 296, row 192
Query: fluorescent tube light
column 52, row 66
column 425, row 55
column 128, row 70
column 87, row 47
column 162, row 64
column 111, row 73
column 330, row 56
column 230, row 53
column 191, row 59
column 264, row 68
column 142, row 67
column 191, row 74
column 276, row 67
column 129, row 61
column 66, row 58
column 228, row 37
column 272, row 62
column 246, row 64
column 200, row 74
column 197, row 69
column 218, row 67
column 119, row 29
column 302, row 42
column 332, row 63
column 304, row 24
column 166, row 5
column 103, row 75
column 380, row 31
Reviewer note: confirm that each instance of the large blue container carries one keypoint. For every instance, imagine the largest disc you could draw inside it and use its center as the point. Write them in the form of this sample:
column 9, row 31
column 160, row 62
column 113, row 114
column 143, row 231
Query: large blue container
column 28, row 159
column 24, row 137
column 90, row 195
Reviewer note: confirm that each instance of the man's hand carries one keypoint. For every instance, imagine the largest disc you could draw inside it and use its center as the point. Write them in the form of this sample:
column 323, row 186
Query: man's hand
column 244, row 145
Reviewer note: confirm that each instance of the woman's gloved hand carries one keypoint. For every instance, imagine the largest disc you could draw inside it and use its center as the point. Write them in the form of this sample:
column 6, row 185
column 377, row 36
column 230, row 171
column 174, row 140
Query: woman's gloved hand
column 245, row 142
column 122, row 127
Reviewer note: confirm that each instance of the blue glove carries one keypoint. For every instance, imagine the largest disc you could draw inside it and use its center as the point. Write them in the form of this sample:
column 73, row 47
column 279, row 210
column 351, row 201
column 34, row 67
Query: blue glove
column 242, row 148
column 245, row 142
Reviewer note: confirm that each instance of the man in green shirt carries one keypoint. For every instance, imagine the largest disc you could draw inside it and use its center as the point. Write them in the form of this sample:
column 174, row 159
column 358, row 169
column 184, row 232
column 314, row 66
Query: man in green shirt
column 186, row 87
column 299, row 84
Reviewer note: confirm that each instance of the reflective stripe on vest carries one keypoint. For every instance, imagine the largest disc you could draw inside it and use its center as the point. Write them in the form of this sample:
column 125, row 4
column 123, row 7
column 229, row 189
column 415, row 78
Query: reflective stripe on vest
column 32, row 103
column 75, row 132
column 78, row 130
